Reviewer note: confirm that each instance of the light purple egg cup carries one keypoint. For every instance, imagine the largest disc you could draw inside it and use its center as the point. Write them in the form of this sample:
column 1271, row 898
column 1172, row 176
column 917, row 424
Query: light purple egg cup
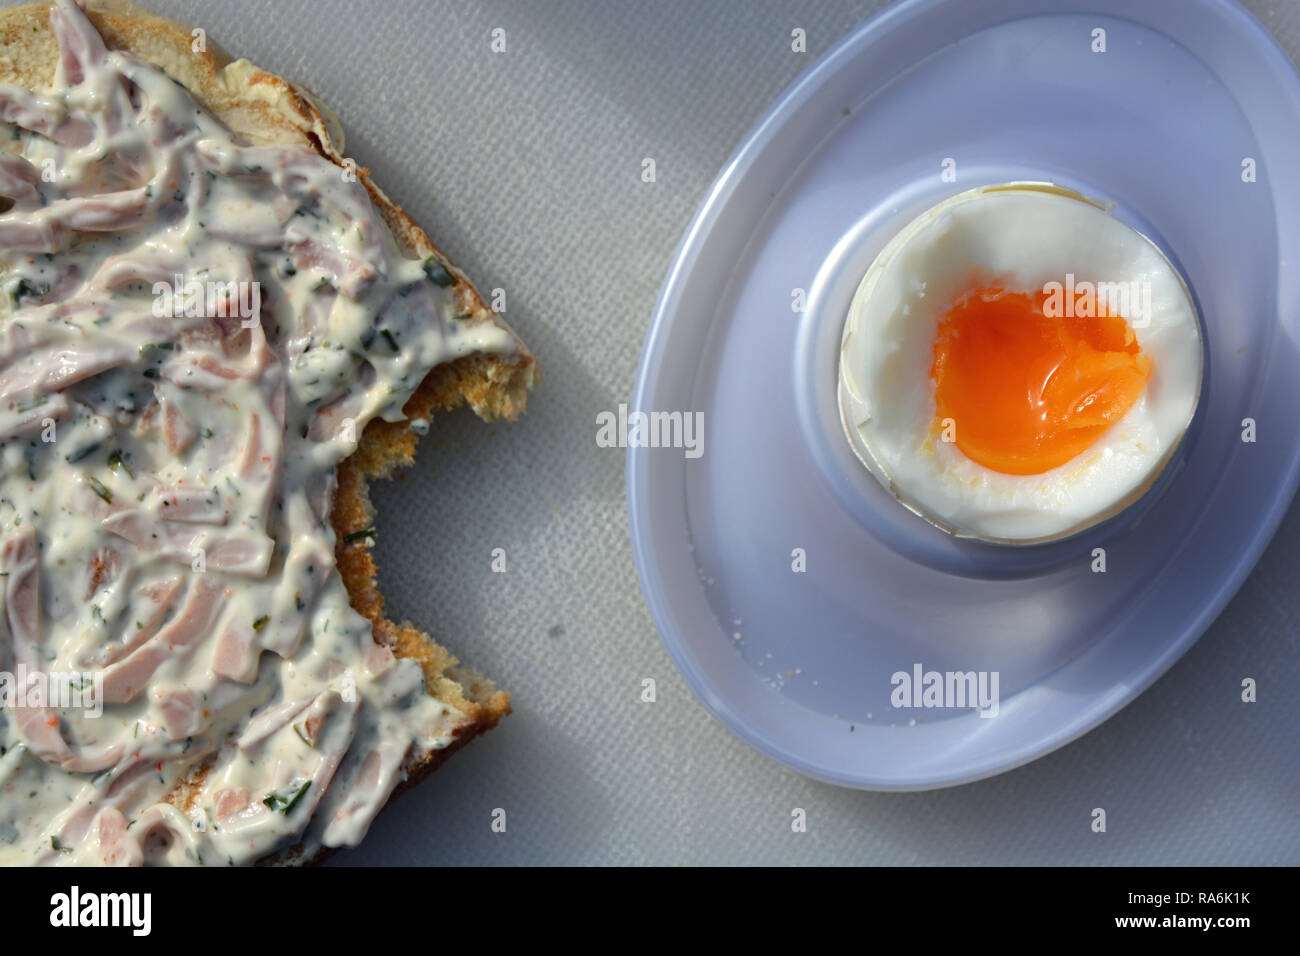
column 787, row 585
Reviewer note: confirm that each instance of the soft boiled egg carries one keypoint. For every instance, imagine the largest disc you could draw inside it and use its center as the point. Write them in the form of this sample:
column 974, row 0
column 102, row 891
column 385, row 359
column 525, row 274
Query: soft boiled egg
column 1017, row 364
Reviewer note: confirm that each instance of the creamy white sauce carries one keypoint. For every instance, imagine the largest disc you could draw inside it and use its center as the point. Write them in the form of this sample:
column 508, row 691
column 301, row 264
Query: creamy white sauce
column 166, row 480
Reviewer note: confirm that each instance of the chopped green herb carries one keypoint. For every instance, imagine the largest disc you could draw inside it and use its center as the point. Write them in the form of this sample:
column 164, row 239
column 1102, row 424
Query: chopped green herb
column 27, row 289
column 392, row 342
column 284, row 800
column 98, row 487
column 358, row 535
column 438, row 273
column 81, row 453
column 116, row 461
column 261, row 622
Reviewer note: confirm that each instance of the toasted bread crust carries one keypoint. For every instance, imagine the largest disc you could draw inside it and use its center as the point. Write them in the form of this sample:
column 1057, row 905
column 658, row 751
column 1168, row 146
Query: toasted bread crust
column 265, row 108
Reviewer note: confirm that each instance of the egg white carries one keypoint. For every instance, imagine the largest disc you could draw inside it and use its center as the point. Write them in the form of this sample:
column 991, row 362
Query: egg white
column 1020, row 237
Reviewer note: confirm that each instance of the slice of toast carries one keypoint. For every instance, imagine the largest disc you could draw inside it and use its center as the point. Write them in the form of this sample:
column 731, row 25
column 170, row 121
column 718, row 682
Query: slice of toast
column 266, row 109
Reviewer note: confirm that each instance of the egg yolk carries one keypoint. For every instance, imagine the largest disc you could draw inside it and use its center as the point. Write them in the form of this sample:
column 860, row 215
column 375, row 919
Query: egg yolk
column 1025, row 391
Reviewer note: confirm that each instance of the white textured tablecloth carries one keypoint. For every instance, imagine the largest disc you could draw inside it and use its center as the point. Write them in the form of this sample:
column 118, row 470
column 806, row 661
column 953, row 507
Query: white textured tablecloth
column 525, row 166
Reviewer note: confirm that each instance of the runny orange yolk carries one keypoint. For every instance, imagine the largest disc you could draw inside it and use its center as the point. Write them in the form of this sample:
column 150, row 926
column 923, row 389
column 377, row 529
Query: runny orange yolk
column 1026, row 392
